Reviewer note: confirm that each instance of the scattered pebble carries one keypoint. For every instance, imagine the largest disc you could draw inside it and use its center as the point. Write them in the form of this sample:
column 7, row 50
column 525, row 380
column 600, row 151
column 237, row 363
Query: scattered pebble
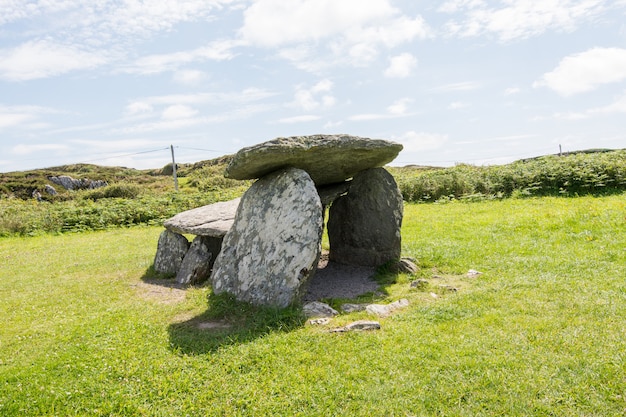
column 419, row 283
column 472, row 273
column 318, row 309
column 386, row 309
column 319, row 322
column 448, row 288
column 351, row 308
column 358, row 325
column 432, row 294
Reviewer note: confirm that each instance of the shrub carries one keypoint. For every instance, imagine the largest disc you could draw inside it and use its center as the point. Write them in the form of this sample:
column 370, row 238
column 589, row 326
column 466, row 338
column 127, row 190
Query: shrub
column 573, row 174
column 114, row 191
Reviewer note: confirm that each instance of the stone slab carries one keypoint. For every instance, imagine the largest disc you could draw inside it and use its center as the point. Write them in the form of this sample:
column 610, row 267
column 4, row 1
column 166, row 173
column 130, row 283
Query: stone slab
column 327, row 159
column 212, row 220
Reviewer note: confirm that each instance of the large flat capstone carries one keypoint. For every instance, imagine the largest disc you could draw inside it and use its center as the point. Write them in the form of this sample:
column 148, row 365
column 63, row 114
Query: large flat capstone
column 212, row 220
column 275, row 242
column 326, row 158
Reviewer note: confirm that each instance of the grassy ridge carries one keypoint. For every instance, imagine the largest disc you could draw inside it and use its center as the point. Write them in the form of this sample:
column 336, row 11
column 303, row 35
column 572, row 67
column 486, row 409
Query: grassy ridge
column 133, row 197
column 146, row 197
column 572, row 174
column 540, row 333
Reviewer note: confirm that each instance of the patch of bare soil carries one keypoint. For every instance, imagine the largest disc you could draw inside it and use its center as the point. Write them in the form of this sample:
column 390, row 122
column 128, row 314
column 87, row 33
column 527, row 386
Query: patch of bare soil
column 161, row 291
column 333, row 280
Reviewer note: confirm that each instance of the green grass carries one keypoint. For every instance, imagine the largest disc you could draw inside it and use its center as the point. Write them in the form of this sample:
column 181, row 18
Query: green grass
column 541, row 332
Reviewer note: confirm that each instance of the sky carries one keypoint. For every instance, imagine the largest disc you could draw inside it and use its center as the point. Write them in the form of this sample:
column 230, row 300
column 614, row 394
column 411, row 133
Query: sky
column 121, row 82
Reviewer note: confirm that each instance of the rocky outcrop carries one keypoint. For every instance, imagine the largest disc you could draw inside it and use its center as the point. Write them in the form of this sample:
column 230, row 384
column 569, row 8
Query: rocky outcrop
column 364, row 225
column 274, row 244
column 70, row 183
column 326, row 158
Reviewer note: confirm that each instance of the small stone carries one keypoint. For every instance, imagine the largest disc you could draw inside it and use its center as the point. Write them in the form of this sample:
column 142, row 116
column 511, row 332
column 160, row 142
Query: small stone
column 472, row 273
column 386, row 309
column 319, row 322
column 432, row 294
column 358, row 325
column 404, row 266
column 318, row 309
column 419, row 283
column 448, row 288
column 363, row 325
column 351, row 308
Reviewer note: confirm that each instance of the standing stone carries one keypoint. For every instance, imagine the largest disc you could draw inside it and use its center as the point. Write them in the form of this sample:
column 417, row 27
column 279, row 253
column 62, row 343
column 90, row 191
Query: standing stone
column 275, row 242
column 171, row 250
column 196, row 265
column 364, row 225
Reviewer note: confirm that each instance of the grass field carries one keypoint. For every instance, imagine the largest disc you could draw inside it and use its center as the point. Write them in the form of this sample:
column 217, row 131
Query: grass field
column 540, row 333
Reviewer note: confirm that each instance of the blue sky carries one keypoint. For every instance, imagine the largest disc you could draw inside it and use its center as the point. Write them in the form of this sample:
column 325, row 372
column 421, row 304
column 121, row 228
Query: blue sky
column 484, row 82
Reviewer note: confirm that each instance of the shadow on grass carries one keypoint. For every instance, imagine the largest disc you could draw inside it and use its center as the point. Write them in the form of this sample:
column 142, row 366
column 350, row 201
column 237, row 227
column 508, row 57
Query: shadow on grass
column 229, row 322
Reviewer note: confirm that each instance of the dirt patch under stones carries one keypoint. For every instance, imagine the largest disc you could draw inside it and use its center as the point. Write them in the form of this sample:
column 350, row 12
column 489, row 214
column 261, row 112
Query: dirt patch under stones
column 333, row 280
column 162, row 291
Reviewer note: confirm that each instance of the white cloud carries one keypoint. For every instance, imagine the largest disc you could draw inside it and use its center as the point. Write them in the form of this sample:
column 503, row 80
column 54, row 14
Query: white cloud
column 238, row 97
column 511, row 91
column 421, row 141
column 152, row 64
column 178, row 111
column 315, row 97
column 139, row 108
column 347, row 32
column 30, row 149
column 189, row 77
column 454, row 6
column 13, row 119
column 585, row 71
column 108, row 21
column 401, row 66
column 299, row 119
column 462, row 86
column 23, row 116
column 275, row 23
column 618, row 106
column 399, row 107
column 43, row 59
column 520, row 19
column 456, row 105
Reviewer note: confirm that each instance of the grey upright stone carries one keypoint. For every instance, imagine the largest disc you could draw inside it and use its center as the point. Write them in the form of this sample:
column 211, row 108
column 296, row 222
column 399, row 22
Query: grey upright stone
column 196, row 265
column 171, row 250
column 327, row 158
column 275, row 241
column 364, row 225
